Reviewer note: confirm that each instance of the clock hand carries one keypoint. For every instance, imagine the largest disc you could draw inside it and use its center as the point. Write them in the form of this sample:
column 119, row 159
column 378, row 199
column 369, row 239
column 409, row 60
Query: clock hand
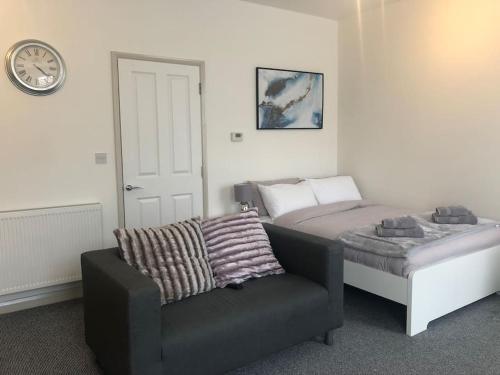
column 40, row 69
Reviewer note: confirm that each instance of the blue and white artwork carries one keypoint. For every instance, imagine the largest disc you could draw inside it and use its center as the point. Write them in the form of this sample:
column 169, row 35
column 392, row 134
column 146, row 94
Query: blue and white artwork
column 289, row 100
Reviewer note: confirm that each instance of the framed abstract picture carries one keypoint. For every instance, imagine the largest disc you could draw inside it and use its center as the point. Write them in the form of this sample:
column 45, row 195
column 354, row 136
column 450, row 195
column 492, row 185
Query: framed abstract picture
column 288, row 99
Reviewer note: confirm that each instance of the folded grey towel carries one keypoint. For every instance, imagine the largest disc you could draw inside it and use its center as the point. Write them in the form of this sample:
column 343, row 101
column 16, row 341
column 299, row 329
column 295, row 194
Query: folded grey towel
column 405, row 222
column 453, row 211
column 416, row 232
column 464, row 219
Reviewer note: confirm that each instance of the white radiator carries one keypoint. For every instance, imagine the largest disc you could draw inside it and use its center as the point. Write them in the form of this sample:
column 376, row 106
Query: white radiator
column 42, row 247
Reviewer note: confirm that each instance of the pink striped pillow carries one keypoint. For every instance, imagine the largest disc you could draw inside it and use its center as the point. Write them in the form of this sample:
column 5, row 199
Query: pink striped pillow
column 238, row 248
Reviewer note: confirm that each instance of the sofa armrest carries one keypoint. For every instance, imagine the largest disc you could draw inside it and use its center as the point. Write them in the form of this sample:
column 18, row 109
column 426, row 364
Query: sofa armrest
column 122, row 315
column 318, row 259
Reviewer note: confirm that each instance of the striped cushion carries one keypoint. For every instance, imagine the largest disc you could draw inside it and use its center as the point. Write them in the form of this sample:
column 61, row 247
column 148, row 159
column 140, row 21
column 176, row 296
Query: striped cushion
column 174, row 256
column 238, row 248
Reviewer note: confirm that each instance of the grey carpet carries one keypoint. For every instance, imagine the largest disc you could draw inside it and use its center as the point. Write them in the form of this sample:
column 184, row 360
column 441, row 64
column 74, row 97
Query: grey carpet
column 49, row 341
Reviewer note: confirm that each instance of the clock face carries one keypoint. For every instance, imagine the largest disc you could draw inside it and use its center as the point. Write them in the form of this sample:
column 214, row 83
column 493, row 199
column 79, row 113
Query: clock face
column 35, row 67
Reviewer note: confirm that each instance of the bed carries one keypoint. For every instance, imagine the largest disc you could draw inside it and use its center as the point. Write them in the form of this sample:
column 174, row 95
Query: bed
column 441, row 277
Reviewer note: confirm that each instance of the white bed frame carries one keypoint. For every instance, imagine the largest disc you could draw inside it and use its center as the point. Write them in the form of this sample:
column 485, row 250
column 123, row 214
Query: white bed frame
column 433, row 291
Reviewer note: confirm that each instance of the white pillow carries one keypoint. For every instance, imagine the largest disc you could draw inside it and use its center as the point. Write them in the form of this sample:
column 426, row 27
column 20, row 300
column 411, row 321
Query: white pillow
column 334, row 189
column 282, row 198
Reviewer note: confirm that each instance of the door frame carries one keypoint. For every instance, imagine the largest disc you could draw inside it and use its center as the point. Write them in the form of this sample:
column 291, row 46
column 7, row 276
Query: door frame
column 115, row 56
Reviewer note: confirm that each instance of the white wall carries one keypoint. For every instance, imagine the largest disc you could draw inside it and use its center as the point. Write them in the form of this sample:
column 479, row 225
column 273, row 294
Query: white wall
column 47, row 143
column 419, row 103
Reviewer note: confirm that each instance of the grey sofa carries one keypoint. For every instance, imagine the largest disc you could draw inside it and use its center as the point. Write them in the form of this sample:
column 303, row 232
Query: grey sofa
column 131, row 334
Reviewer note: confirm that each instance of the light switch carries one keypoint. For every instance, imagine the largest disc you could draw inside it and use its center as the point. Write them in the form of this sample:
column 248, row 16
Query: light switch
column 101, row 158
column 237, row 137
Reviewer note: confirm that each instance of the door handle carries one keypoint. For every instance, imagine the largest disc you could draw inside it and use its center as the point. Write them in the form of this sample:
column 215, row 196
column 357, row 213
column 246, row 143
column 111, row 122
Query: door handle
column 131, row 187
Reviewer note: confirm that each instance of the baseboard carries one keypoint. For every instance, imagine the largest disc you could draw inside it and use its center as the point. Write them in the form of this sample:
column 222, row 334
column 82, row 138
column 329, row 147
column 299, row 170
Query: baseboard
column 39, row 297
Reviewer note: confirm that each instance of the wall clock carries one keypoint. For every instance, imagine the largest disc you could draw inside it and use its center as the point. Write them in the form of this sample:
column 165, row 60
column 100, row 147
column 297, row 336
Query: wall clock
column 35, row 67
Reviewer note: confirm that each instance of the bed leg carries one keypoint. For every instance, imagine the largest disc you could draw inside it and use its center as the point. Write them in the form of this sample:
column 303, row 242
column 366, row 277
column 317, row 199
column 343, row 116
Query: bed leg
column 417, row 318
column 329, row 338
column 415, row 324
column 416, row 310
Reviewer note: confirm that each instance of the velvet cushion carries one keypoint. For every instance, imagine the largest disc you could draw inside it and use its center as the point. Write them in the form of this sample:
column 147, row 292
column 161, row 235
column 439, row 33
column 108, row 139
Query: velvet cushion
column 238, row 248
column 174, row 256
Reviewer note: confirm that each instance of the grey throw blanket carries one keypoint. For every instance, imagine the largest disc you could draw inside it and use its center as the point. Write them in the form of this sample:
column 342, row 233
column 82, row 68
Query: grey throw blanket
column 405, row 222
column 365, row 238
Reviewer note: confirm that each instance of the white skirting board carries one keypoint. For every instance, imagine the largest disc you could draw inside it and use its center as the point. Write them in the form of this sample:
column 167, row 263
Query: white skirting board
column 39, row 297
column 433, row 291
column 40, row 248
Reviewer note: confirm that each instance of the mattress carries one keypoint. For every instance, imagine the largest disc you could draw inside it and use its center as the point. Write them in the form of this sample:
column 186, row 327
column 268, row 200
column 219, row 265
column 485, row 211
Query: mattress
column 331, row 220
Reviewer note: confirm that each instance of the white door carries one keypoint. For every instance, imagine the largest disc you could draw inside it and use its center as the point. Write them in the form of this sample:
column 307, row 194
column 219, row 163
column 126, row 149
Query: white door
column 160, row 114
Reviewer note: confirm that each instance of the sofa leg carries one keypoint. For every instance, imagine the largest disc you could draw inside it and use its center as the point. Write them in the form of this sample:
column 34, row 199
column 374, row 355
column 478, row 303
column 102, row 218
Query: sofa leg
column 329, row 338
column 98, row 363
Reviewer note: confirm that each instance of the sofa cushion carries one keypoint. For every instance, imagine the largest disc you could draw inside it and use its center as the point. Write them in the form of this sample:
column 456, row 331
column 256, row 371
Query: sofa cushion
column 238, row 248
column 174, row 256
column 217, row 331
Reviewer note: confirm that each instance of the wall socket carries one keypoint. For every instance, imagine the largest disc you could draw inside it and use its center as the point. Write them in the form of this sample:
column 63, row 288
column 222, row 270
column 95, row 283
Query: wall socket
column 101, row 158
column 236, row 137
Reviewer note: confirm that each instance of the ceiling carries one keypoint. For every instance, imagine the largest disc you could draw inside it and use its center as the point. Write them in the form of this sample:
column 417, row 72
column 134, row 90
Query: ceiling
column 332, row 9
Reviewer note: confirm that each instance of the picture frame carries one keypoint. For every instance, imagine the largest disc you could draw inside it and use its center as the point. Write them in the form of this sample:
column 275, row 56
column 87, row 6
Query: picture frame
column 289, row 99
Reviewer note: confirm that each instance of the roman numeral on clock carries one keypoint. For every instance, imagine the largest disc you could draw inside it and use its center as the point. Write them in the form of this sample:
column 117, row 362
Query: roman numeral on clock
column 36, row 52
column 28, row 79
column 22, row 73
column 28, row 52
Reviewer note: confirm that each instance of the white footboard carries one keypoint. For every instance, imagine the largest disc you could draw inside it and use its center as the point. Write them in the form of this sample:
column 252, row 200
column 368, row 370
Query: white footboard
column 433, row 291
column 439, row 289
column 375, row 281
